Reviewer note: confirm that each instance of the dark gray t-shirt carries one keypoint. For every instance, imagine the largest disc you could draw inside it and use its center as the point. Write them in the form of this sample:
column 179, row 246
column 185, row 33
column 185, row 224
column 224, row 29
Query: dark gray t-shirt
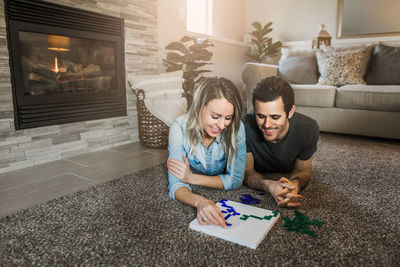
column 300, row 142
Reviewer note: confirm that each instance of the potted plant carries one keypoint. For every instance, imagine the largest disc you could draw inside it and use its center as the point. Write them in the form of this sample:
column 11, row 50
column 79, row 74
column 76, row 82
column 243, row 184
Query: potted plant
column 189, row 55
column 261, row 46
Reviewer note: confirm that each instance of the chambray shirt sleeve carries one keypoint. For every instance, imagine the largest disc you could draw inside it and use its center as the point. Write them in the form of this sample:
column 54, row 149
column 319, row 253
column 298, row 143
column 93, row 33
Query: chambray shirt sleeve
column 176, row 150
column 233, row 179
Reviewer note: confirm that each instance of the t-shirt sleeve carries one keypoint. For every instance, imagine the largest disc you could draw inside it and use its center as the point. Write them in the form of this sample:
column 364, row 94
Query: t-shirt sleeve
column 309, row 146
column 248, row 149
column 249, row 135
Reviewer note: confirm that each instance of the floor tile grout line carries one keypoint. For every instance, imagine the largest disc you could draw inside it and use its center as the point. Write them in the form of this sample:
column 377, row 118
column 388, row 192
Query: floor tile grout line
column 75, row 162
column 128, row 154
column 110, row 160
column 105, row 161
column 40, row 180
column 83, row 177
column 119, row 152
column 155, row 152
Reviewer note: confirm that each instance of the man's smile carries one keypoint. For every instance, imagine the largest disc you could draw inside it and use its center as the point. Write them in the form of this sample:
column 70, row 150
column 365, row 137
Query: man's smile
column 269, row 131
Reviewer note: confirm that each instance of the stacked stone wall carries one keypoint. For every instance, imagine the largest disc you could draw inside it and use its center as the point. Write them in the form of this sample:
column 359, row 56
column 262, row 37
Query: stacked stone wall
column 29, row 147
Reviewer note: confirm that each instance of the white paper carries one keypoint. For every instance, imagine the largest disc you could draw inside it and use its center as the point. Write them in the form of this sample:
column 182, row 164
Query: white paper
column 248, row 231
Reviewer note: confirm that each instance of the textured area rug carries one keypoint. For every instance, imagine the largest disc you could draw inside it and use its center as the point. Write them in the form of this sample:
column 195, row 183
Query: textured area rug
column 354, row 190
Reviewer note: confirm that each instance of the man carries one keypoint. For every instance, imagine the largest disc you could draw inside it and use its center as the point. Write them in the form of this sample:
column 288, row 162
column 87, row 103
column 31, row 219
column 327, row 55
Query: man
column 278, row 140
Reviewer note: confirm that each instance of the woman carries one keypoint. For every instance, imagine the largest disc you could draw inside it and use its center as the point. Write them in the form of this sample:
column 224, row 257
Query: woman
column 207, row 147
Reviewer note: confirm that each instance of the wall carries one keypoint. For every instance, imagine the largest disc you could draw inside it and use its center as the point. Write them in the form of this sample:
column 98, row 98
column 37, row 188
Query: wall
column 228, row 56
column 296, row 23
column 229, row 19
column 293, row 20
column 29, row 147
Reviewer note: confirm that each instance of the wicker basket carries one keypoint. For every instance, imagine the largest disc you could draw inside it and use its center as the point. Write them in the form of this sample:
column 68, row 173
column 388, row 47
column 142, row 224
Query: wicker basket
column 152, row 131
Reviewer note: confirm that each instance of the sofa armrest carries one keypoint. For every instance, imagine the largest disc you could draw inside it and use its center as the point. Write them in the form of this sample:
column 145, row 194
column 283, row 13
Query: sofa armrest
column 252, row 73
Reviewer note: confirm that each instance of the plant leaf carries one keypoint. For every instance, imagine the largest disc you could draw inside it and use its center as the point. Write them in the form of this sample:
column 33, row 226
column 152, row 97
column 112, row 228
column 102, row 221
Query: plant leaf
column 191, row 66
column 174, row 68
column 187, row 39
column 266, row 26
column 202, row 54
column 198, row 46
column 175, row 57
column 177, row 46
column 254, row 50
column 266, row 31
column 257, row 25
column 261, row 45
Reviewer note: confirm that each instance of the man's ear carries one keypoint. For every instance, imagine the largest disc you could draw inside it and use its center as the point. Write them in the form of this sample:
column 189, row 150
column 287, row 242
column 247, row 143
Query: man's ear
column 291, row 112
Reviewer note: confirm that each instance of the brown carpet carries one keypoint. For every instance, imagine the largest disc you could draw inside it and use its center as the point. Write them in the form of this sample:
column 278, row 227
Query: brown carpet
column 354, row 190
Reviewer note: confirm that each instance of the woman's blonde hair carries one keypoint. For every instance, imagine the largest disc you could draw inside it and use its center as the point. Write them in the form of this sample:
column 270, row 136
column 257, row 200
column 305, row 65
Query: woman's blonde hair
column 208, row 89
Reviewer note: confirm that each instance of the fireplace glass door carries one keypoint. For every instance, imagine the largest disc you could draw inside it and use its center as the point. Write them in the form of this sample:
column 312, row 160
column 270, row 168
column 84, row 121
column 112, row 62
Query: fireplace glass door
column 56, row 64
column 67, row 64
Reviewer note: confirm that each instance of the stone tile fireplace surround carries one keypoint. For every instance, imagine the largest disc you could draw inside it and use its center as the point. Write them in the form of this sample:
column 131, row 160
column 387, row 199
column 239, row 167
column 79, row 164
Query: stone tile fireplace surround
column 29, row 147
column 67, row 64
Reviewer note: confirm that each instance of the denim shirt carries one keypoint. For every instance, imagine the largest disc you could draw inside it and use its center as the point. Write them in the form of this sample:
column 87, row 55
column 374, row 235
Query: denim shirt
column 207, row 161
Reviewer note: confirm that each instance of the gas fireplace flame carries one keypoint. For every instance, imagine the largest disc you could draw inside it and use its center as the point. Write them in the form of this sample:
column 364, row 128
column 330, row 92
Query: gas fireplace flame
column 55, row 69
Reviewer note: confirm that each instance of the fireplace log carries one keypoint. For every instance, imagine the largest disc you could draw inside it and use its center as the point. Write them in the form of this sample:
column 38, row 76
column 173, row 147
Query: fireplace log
column 40, row 68
column 90, row 71
column 39, row 78
column 39, row 84
column 71, row 66
column 78, row 67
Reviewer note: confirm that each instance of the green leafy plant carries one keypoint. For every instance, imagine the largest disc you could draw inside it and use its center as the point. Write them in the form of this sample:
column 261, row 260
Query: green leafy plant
column 261, row 46
column 189, row 55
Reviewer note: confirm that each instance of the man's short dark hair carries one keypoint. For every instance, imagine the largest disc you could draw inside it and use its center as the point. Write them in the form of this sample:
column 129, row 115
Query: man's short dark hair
column 271, row 88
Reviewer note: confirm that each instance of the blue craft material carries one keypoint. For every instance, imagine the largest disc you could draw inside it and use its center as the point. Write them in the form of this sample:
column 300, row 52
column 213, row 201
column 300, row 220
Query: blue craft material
column 249, row 199
column 229, row 209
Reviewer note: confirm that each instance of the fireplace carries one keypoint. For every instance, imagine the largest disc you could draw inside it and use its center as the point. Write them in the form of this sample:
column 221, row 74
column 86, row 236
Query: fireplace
column 67, row 65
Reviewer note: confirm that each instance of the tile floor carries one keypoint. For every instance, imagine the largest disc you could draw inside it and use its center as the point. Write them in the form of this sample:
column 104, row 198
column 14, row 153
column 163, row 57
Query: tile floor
column 24, row 188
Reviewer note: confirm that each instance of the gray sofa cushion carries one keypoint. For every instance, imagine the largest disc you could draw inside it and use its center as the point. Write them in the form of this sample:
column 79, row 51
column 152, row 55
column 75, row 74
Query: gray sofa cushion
column 299, row 70
column 384, row 66
column 314, row 95
column 372, row 97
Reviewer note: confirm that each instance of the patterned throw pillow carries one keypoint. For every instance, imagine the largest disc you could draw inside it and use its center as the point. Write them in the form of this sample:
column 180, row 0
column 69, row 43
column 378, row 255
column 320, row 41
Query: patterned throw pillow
column 340, row 68
column 365, row 61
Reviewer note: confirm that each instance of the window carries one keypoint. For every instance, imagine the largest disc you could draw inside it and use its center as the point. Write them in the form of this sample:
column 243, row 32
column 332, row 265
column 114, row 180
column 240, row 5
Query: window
column 221, row 20
column 199, row 16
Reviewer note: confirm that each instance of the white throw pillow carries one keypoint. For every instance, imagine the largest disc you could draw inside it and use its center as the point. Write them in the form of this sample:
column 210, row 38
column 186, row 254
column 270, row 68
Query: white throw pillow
column 165, row 85
column 167, row 110
column 163, row 94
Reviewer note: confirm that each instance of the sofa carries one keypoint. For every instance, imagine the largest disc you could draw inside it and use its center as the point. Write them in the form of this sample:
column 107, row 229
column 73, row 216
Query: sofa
column 361, row 99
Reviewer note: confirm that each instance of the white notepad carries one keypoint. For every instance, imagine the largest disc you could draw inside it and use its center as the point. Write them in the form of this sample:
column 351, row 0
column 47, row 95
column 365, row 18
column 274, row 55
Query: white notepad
column 249, row 224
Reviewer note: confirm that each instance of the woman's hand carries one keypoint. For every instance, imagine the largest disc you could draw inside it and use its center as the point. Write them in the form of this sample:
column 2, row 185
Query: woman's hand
column 180, row 169
column 209, row 213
